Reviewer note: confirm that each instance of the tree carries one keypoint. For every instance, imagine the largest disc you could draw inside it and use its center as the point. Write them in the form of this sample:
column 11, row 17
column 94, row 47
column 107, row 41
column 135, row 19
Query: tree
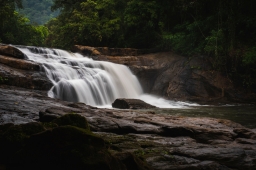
column 15, row 29
column 93, row 22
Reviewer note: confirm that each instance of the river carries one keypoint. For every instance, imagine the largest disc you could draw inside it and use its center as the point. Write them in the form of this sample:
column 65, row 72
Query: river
column 243, row 114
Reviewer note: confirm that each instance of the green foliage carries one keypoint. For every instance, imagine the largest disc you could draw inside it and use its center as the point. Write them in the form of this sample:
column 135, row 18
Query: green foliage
column 15, row 29
column 86, row 22
column 219, row 29
column 38, row 11
column 3, row 79
column 250, row 56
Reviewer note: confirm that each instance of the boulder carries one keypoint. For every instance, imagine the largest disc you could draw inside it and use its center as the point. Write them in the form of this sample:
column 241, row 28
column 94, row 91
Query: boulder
column 68, row 144
column 11, row 51
column 131, row 104
column 13, row 137
column 65, row 147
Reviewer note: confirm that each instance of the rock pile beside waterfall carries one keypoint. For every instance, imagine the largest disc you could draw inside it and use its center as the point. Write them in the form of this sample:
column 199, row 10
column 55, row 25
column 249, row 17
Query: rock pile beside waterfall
column 33, row 126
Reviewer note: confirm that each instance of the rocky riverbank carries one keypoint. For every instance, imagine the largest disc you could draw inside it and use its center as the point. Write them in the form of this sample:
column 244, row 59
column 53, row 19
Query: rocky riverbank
column 108, row 138
column 160, row 141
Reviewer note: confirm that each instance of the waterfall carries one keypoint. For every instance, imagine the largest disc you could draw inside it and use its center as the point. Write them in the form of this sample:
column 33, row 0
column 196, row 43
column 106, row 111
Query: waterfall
column 77, row 78
column 80, row 79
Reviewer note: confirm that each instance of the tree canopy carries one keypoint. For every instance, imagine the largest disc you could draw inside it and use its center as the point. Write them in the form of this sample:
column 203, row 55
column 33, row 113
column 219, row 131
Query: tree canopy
column 38, row 11
column 223, row 30
column 15, row 29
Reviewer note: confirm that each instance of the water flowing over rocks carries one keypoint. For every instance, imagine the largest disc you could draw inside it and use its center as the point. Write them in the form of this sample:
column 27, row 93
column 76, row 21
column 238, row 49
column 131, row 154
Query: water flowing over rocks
column 173, row 76
column 58, row 134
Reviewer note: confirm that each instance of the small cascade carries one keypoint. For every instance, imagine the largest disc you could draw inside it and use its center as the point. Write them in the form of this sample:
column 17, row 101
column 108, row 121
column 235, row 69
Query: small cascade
column 80, row 79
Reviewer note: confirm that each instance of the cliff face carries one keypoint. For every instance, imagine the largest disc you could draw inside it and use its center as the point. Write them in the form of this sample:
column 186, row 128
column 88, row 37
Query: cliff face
column 173, row 76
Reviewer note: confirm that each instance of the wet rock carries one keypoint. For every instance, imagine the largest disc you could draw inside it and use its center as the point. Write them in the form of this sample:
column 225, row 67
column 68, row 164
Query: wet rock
column 245, row 133
column 47, row 117
column 131, row 104
column 13, row 138
column 11, row 51
column 73, row 120
column 162, row 141
column 132, row 162
column 15, row 71
column 65, row 147
column 19, row 63
column 23, row 78
column 231, row 157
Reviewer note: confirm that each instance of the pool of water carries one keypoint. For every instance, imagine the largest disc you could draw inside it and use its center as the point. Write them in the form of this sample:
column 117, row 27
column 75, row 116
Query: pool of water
column 243, row 114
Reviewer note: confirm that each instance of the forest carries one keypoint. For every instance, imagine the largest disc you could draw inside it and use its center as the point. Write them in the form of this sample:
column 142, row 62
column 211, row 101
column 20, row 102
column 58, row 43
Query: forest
column 223, row 31
column 38, row 11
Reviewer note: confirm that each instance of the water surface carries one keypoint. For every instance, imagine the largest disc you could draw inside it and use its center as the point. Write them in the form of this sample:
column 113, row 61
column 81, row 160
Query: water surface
column 243, row 114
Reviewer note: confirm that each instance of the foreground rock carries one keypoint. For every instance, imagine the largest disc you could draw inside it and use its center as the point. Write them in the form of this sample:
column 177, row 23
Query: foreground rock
column 67, row 143
column 162, row 141
column 131, row 137
column 131, row 104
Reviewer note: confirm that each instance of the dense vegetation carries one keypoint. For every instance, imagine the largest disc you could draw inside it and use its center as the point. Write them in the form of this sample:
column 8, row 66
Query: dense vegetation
column 220, row 30
column 38, row 11
column 15, row 28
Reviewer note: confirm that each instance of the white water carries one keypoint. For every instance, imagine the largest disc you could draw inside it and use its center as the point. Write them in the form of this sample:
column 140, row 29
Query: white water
column 80, row 79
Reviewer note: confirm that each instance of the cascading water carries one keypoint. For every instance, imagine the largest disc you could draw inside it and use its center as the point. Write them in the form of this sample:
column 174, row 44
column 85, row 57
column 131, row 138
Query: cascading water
column 80, row 79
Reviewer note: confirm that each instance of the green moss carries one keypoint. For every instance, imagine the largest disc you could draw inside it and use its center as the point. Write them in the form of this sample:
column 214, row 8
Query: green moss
column 49, row 125
column 3, row 79
column 139, row 153
column 146, row 144
column 65, row 147
column 14, row 137
column 73, row 120
column 5, row 127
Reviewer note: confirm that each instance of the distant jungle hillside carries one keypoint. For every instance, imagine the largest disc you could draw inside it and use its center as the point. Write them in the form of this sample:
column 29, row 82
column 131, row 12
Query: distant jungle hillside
column 222, row 31
column 38, row 11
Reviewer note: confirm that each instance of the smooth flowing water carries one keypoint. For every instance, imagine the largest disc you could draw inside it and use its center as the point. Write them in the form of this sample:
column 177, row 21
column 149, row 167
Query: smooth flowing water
column 78, row 78
column 98, row 83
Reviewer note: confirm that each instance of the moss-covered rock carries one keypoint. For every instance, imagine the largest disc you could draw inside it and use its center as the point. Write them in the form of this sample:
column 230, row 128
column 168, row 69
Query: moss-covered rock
column 13, row 137
column 73, row 120
column 132, row 162
column 65, row 143
column 65, row 147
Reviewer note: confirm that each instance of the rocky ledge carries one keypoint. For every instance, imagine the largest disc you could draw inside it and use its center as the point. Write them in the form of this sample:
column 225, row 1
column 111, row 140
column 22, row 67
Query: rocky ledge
column 150, row 140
